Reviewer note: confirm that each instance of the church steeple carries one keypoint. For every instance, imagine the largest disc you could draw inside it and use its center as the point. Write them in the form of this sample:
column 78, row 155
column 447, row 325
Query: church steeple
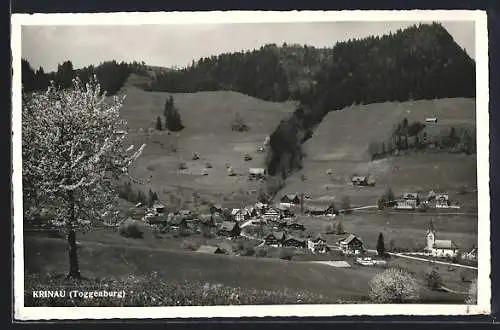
column 431, row 235
column 430, row 229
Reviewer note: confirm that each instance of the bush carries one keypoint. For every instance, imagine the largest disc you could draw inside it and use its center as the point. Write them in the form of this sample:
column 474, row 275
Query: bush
column 261, row 252
column 394, row 285
column 247, row 251
column 433, row 279
column 189, row 245
column 238, row 124
column 208, row 165
column 286, row 254
column 131, row 228
column 471, row 298
column 182, row 166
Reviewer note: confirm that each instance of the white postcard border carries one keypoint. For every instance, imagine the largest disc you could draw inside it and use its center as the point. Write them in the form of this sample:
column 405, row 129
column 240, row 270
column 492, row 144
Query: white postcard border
column 482, row 117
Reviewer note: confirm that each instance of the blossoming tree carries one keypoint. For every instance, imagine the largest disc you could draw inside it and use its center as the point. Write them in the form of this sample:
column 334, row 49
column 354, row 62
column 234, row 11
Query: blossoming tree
column 73, row 152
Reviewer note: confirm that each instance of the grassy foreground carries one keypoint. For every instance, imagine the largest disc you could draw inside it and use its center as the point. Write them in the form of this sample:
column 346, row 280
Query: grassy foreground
column 151, row 290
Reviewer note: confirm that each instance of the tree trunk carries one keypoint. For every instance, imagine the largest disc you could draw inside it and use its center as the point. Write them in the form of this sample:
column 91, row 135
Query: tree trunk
column 74, row 269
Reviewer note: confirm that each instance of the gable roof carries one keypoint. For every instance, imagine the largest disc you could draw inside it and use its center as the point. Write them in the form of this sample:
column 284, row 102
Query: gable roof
column 157, row 204
column 444, row 244
column 290, row 196
column 358, row 178
column 209, row 249
column 350, row 238
column 410, row 196
column 235, row 211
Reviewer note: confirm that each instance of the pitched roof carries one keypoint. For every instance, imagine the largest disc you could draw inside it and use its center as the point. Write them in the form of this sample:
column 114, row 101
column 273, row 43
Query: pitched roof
column 319, row 237
column 444, row 244
column 272, row 211
column 235, row 211
column 290, row 196
column 277, row 234
column 293, row 238
column 158, row 205
column 410, row 195
column 350, row 238
column 208, row 249
column 358, row 178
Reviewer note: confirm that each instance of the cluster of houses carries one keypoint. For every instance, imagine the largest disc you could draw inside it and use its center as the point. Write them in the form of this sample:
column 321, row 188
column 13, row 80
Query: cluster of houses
column 412, row 201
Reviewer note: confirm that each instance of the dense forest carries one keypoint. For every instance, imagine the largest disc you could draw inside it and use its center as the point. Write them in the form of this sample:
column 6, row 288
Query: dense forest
column 420, row 62
column 111, row 74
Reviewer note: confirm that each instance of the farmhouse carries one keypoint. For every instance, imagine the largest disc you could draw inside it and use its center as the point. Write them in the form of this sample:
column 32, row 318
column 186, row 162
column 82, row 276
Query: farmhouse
column 409, row 201
column 442, row 201
column 158, row 207
column 439, row 248
column 294, row 242
column 239, row 214
column 431, row 120
column 207, row 220
column 275, row 238
column 256, row 173
column 359, row 180
column 209, row 249
column 284, row 210
column 351, row 245
column 471, row 255
column 318, row 245
column 230, row 229
column 290, row 199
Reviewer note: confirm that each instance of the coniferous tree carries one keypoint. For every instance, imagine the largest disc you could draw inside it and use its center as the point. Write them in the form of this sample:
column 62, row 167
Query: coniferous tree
column 380, row 245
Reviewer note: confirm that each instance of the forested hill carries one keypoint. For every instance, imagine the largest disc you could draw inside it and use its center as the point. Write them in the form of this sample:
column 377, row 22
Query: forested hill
column 420, row 62
column 270, row 73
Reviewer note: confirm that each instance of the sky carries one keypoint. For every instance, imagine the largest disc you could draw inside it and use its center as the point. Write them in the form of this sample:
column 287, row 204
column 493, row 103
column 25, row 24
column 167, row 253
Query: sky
column 177, row 45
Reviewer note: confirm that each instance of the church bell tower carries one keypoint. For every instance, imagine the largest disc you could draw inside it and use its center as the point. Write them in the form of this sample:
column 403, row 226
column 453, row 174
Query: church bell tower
column 431, row 236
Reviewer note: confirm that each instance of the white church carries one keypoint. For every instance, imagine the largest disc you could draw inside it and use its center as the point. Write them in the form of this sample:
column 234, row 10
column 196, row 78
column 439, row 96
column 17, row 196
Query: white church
column 439, row 247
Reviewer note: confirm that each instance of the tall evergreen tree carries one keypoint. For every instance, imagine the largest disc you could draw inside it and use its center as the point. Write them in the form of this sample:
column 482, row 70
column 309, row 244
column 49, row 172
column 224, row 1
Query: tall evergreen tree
column 380, row 244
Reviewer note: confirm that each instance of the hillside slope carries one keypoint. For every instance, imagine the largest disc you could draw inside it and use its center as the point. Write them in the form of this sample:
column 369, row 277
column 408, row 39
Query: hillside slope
column 207, row 118
column 340, row 143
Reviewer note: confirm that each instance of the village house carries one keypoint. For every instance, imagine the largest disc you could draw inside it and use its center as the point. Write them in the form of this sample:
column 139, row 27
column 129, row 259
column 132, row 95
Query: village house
column 256, row 173
column 442, row 201
column 290, row 199
column 206, row 220
column 351, row 245
column 439, row 248
column 239, row 215
column 271, row 215
column 471, row 255
column 409, row 201
column 209, row 249
column 292, row 241
column 260, row 208
column 275, row 238
column 284, row 210
column 315, row 210
column 229, row 229
column 318, row 245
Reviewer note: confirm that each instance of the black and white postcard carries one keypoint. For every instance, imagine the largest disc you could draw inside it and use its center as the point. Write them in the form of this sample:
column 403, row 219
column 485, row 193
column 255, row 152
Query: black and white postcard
column 230, row 164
